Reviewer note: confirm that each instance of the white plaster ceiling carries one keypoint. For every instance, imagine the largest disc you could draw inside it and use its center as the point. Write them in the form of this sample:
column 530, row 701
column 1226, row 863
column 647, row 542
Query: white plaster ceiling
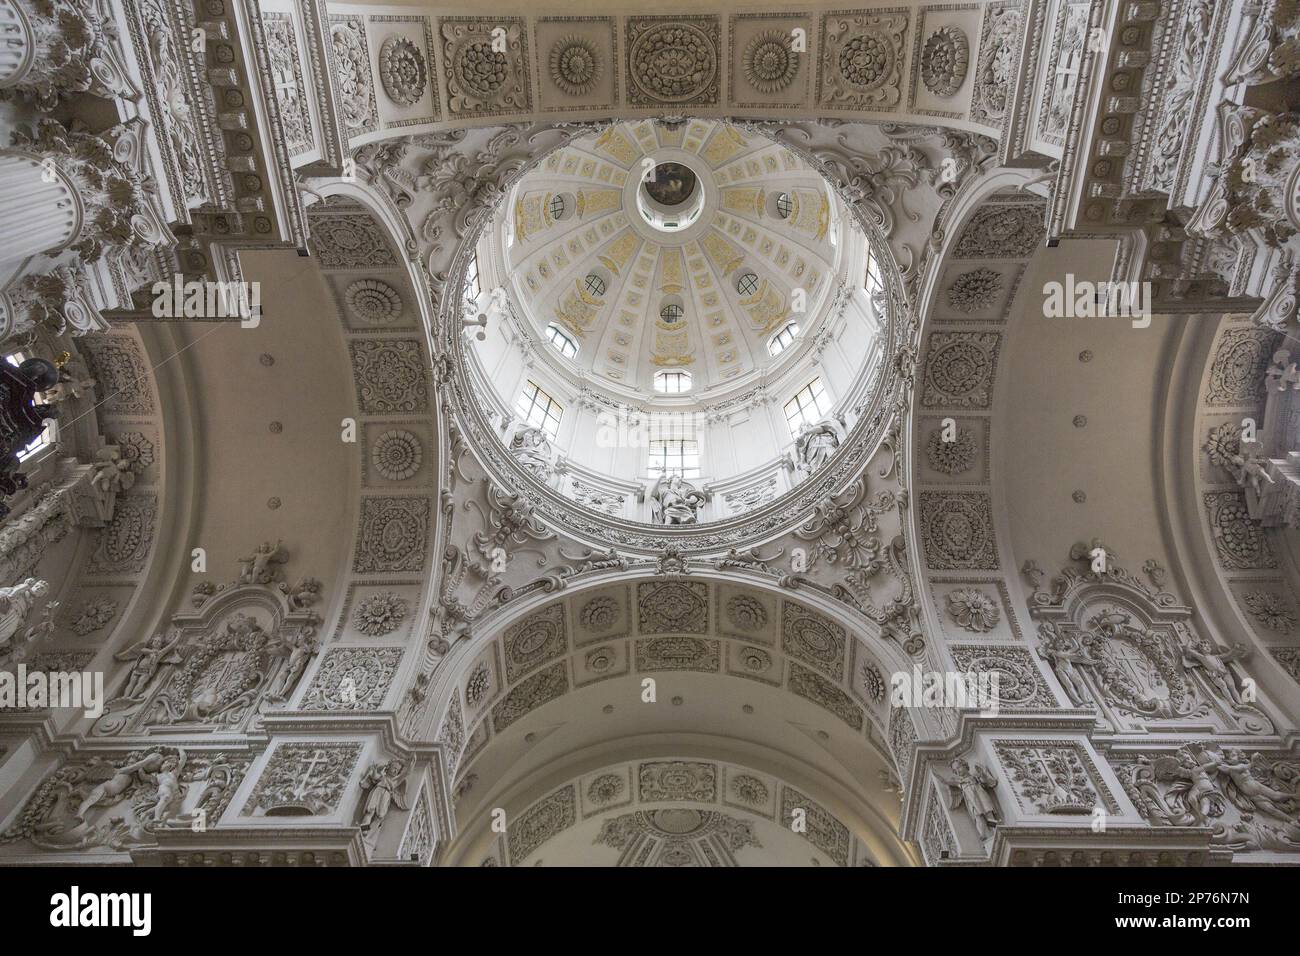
column 723, row 334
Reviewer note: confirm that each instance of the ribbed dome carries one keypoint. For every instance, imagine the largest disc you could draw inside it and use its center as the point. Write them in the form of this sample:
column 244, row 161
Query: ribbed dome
column 660, row 246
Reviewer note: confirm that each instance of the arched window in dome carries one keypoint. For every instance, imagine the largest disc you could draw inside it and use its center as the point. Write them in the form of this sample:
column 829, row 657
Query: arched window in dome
column 747, row 283
column 472, row 288
column 538, row 409
column 564, row 342
column 673, row 383
column 783, row 339
column 46, row 438
column 784, row 205
column 557, row 206
column 873, row 281
column 595, row 284
column 809, row 406
column 672, row 312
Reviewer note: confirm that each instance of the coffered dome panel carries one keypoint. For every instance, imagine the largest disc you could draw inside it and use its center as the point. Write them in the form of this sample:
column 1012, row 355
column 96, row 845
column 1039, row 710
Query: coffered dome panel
column 660, row 246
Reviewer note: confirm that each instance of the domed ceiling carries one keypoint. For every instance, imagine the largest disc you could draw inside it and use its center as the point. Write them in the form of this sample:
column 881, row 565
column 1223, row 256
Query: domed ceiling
column 668, row 215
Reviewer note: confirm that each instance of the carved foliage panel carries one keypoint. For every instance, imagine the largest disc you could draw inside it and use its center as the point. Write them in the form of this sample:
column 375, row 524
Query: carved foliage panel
column 766, row 69
column 1053, row 777
column 997, row 62
column 862, row 60
column 482, row 78
column 578, row 62
column 673, row 61
column 355, row 79
column 303, row 780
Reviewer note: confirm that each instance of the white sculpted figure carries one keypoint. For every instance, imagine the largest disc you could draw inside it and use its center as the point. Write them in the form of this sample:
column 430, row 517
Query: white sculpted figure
column 299, row 651
column 973, row 787
column 166, row 806
column 817, row 443
column 1282, row 374
column 674, row 501
column 260, row 567
column 1241, row 770
column 532, row 449
column 122, row 779
column 111, row 473
column 16, row 604
column 1214, row 664
column 149, row 655
column 384, row 785
column 1063, row 653
column 1250, row 471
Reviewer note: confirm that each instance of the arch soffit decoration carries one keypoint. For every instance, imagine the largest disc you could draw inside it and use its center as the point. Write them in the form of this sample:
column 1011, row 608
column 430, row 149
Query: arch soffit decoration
column 747, row 789
column 727, row 625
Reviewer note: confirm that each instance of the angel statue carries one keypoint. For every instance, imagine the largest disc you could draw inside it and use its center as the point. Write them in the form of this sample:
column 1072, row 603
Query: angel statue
column 1250, row 470
column 165, row 806
column 16, row 604
column 299, row 651
column 260, row 566
column 149, row 655
column 1245, row 773
column 383, row 785
column 1215, row 665
column 974, row 787
column 674, row 501
column 1067, row 655
column 119, row 780
column 111, row 473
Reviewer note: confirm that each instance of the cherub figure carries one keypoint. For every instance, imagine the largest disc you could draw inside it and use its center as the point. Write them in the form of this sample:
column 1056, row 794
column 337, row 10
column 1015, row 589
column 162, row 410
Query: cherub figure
column 111, row 473
column 1239, row 769
column 1250, row 471
column 166, row 805
column 120, row 780
column 262, row 566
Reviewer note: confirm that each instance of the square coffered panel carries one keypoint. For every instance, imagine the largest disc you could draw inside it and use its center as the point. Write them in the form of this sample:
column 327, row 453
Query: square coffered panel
column 746, row 614
column 578, row 63
column 396, row 454
column 1271, row 608
column 599, row 616
column 975, row 608
column 964, row 460
column 943, row 59
column 374, row 303
column 977, row 291
column 377, row 611
column 673, row 61
column 402, row 48
column 767, row 67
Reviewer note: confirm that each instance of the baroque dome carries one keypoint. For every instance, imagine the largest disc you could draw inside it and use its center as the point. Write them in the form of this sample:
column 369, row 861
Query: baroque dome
column 604, row 206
